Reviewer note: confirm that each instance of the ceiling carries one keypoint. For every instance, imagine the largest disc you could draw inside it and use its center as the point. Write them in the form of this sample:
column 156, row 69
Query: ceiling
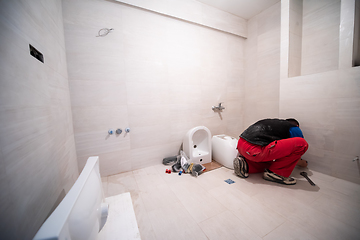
column 242, row 8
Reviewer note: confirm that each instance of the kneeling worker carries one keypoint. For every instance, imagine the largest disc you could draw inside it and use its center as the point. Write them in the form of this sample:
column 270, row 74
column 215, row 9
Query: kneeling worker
column 272, row 146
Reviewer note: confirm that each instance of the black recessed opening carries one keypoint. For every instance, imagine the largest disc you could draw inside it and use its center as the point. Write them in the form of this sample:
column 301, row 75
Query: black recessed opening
column 36, row 54
column 356, row 43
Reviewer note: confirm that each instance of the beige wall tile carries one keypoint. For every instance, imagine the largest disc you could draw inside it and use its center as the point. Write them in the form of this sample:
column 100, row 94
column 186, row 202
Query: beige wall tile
column 348, row 37
column 97, row 93
column 37, row 148
column 348, row 85
column 262, row 66
column 99, row 118
column 320, row 37
column 197, row 13
column 326, row 103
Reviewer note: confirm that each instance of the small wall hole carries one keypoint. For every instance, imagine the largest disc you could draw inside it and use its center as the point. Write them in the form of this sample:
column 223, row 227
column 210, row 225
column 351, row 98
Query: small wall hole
column 200, row 159
column 195, row 146
column 36, row 54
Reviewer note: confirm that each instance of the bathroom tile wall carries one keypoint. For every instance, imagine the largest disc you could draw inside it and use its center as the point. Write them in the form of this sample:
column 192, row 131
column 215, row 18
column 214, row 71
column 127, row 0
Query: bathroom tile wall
column 158, row 75
column 320, row 36
column 327, row 104
column 295, row 37
column 196, row 12
column 356, row 50
column 261, row 98
column 37, row 148
column 348, row 36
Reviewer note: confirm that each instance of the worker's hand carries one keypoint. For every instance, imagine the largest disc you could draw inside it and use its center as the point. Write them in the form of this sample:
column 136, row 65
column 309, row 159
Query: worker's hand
column 302, row 163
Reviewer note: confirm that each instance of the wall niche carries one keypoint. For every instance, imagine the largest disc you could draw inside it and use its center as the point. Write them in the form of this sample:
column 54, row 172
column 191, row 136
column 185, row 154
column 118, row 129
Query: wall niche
column 314, row 28
column 356, row 47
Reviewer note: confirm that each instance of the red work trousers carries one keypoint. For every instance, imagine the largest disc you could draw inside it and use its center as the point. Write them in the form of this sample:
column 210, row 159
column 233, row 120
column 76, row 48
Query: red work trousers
column 279, row 156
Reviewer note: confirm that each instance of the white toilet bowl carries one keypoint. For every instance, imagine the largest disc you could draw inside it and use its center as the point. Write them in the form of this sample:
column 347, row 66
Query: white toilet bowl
column 224, row 150
column 197, row 145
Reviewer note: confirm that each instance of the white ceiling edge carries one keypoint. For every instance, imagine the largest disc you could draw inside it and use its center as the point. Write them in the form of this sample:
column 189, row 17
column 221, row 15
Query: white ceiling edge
column 228, row 22
column 241, row 8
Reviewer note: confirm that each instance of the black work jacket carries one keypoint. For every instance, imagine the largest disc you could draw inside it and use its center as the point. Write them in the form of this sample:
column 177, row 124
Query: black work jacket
column 266, row 131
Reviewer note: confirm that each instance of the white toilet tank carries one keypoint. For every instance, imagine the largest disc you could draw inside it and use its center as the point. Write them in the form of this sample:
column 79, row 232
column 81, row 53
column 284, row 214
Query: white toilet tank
column 224, row 150
column 197, row 145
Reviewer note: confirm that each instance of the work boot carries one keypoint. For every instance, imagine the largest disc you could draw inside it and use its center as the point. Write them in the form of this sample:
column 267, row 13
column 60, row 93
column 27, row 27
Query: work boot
column 241, row 167
column 273, row 177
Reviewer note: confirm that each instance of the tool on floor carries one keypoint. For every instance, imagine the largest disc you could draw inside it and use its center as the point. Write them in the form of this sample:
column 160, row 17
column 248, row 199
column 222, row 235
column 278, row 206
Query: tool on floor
column 305, row 175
